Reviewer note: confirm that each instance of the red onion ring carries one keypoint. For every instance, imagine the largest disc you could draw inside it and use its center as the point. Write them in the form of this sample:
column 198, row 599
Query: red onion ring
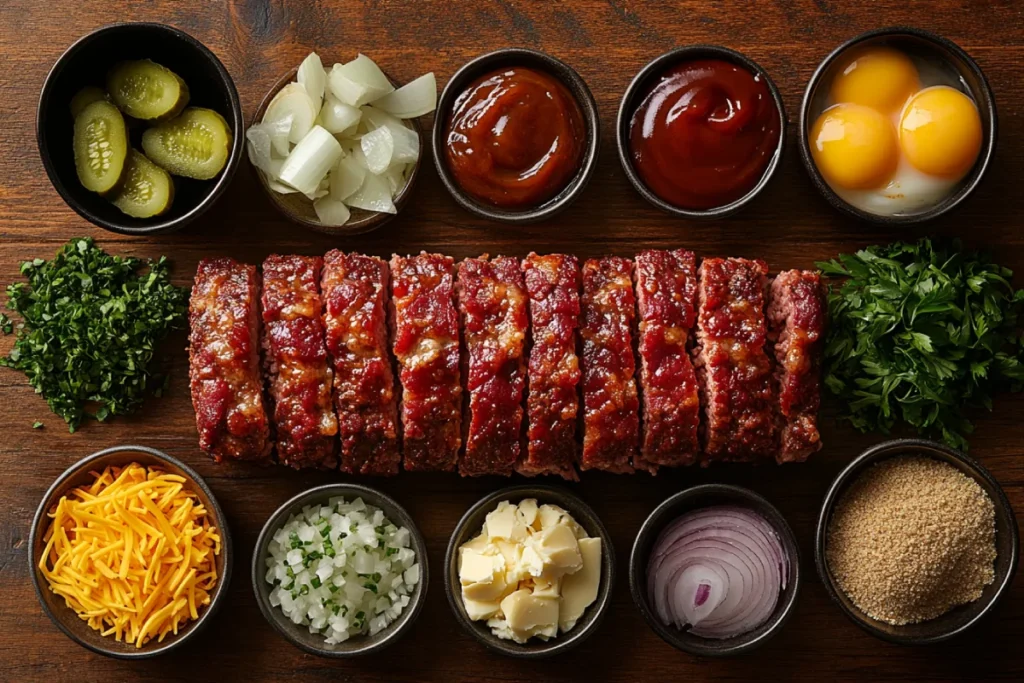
column 719, row 570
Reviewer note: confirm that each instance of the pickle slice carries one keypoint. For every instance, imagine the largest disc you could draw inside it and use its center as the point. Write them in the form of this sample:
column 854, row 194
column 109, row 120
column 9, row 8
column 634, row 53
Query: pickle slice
column 147, row 189
column 84, row 97
column 195, row 144
column 101, row 146
column 145, row 90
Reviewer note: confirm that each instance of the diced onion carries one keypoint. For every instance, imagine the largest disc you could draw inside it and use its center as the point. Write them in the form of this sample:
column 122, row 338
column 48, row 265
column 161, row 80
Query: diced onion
column 373, row 195
column 337, row 117
column 358, row 82
column 331, row 212
column 378, row 147
column 294, row 101
column 719, row 570
column 346, row 178
column 406, row 142
column 312, row 77
column 309, row 162
column 396, row 178
column 266, row 139
column 415, row 98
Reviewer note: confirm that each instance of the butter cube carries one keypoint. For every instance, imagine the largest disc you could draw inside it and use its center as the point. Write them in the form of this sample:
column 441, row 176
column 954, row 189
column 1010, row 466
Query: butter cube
column 579, row 590
column 549, row 515
column 543, row 588
column 504, row 523
column 479, row 610
column 528, row 615
column 512, row 552
column 482, row 576
column 527, row 511
column 559, row 551
column 530, row 562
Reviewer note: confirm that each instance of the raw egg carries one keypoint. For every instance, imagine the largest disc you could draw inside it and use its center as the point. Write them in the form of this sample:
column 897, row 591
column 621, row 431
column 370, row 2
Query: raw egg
column 879, row 77
column 940, row 132
column 854, row 147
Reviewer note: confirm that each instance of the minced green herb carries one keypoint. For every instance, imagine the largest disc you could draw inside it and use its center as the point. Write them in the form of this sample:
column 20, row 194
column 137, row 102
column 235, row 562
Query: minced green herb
column 919, row 332
column 91, row 324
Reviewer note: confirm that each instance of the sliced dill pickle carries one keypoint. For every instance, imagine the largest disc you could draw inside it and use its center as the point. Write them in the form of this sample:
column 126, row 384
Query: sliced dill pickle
column 101, row 146
column 84, row 97
column 195, row 144
column 145, row 90
column 147, row 189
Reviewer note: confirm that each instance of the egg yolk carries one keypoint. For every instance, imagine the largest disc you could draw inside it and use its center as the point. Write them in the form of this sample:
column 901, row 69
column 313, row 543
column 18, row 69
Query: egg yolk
column 880, row 77
column 940, row 132
column 854, row 147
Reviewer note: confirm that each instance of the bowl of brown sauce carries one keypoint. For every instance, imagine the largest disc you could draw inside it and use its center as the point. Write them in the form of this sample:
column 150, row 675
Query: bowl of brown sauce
column 700, row 131
column 516, row 136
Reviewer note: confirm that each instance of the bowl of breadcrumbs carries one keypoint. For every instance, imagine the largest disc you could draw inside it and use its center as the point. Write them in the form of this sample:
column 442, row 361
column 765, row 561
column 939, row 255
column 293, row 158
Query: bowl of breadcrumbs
column 916, row 541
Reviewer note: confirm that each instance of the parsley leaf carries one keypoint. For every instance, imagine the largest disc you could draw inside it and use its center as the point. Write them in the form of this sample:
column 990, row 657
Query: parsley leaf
column 92, row 322
column 919, row 333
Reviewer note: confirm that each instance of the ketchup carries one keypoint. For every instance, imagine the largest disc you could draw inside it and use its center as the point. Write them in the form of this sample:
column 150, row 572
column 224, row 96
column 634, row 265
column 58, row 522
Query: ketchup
column 704, row 135
column 515, row 138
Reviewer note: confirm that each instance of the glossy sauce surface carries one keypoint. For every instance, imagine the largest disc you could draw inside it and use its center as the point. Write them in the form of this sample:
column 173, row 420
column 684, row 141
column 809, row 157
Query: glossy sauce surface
column 705, row 133
column 515, row 138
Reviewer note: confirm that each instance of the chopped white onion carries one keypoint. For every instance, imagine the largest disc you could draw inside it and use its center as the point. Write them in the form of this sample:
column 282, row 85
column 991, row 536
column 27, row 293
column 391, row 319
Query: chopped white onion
column 396, row 178
column 338, row 117
column 312, row 77
column 294, row 101
column 266, row 139
column 415, row 98
column 309, row 162
column 358, row 82
column 378, row 146
column 406, row 141
column 373, row 195
column 331, row 212
column 346, row 178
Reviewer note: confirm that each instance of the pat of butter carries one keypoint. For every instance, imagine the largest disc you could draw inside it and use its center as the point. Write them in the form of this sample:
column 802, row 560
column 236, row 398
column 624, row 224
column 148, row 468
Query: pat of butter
column 478, row 610
column 527, row 511
column 482, row 576
column 549, row 515
column 547, row 589
column 579, row 590
column 558, row 549
column 504, row 523
column 513, row 553
column 531, row 563
column 528, row 615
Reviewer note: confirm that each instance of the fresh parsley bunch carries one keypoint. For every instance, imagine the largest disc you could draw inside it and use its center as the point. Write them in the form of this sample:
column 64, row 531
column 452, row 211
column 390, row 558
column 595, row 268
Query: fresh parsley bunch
column 918, row 333
column 91, row 324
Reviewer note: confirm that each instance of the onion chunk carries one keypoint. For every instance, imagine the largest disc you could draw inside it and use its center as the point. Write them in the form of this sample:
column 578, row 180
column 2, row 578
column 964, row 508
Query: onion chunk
column 310, row 161
column 415, row 98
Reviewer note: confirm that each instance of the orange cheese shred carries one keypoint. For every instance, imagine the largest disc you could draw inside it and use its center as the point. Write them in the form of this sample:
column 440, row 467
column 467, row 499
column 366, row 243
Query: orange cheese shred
column 133, row 553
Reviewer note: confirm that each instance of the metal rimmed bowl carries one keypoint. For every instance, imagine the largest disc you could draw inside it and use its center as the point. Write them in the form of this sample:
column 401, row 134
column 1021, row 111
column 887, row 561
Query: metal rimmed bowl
column 641, row 86
column 913, row 41
column 62, row 615
column 691, row 499
column 86, row 63
column 299, row 635
column 469, row 527
column 961, row 618
column 299, row 208
column 522, row 57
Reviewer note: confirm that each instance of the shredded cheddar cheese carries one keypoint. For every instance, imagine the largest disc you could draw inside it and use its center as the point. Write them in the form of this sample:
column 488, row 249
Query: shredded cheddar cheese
column 133, row 553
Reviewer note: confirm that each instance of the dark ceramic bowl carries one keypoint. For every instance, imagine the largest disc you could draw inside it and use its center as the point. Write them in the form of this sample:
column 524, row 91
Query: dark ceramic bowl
column 961, row 618
column 913, row 41
column 469, row 527
column 86, row 63
column 299, row 208
column 298, row 635
column 641, row 86
column 691, row 499
column 506, row 58
column 62, row 615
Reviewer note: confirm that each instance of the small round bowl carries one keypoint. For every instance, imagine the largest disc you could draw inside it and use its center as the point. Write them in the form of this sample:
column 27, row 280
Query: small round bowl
column 639, row 88
column 911, row 40
column 62, row 615
column 299, row 208
column 86, row 63
column 542, row 62
column 299, row 635
column 961, row 618
column 469, row 527
column 691, row 499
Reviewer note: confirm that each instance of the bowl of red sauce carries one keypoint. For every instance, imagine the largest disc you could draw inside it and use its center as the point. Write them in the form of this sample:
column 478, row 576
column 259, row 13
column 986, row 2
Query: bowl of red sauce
column 516, row 136
column 701, row 131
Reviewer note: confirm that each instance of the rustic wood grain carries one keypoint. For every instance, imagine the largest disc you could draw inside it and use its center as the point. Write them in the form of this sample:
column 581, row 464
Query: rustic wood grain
column 607, row 42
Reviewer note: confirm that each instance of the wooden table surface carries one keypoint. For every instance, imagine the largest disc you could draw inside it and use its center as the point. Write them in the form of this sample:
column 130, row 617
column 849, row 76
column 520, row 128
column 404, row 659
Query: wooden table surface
column 607, row 42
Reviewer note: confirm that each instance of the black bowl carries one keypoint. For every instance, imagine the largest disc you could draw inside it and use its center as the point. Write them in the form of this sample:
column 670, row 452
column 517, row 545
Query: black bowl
column 298, row 635
column 63, row 616
column 641, row 85
column 469, row 527
column 86, row 62
column 959, row 619
column 912, row 41
column 543, row 62
column 691, row 499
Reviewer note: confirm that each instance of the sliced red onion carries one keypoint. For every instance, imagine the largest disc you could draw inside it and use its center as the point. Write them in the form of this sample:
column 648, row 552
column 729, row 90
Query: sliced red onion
column 718, row 571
